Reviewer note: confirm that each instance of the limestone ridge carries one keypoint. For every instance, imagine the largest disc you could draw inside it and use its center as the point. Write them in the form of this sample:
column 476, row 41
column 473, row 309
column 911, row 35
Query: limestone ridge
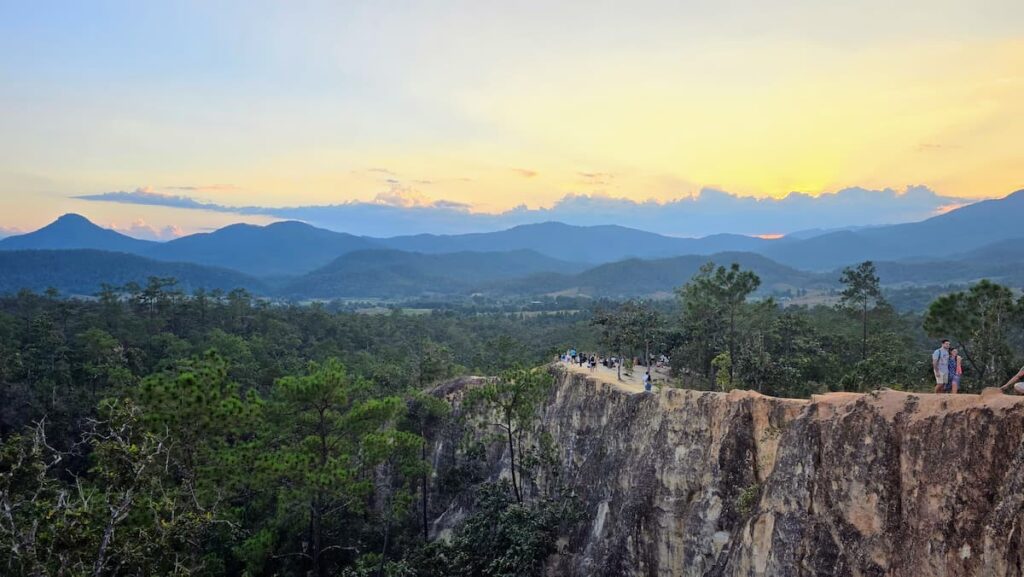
column 710, row 484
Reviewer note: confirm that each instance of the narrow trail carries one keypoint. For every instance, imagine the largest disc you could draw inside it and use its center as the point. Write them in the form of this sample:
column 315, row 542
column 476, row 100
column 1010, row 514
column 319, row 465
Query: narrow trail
column 631, row 383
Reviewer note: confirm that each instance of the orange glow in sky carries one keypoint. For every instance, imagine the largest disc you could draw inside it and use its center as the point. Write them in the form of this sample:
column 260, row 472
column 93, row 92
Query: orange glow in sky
column 497, row 104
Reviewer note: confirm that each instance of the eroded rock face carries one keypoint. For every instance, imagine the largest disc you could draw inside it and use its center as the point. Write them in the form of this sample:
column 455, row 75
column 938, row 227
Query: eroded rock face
column 709, row 484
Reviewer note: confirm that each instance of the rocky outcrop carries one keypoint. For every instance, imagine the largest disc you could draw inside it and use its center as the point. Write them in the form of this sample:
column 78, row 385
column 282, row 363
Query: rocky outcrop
column 697, row 483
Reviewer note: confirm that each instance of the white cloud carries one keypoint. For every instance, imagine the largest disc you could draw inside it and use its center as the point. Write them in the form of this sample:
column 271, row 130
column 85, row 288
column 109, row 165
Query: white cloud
column 139, row 228
column 402, row 209
column 401, row 196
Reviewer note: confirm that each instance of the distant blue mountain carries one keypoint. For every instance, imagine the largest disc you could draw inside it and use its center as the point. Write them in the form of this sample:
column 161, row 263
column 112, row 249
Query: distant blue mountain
column 288, row 249
column 1005, row 251
column 73, row 231
column 590, row 244
column 938, row 238
column 280, row 249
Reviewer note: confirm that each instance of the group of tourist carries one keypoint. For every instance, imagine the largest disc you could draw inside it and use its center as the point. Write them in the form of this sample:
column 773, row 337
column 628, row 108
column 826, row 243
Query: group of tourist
column 573, row 357
column 948, row 368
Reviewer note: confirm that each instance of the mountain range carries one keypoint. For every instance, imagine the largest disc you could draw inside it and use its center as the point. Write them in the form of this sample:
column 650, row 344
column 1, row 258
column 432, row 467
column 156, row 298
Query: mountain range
column 291, row 248
column 588, row 244
column 294, row 259
column 970, row 228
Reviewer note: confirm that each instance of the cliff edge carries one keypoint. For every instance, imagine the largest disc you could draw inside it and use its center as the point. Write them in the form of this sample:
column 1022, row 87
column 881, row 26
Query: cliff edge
column 695, row 483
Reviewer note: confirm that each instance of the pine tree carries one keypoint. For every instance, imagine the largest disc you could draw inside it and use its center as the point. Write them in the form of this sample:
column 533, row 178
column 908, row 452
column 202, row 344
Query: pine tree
column 862, row 292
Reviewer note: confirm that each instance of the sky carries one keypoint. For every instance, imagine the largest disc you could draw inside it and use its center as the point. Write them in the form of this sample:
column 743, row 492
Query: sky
column 448, row 116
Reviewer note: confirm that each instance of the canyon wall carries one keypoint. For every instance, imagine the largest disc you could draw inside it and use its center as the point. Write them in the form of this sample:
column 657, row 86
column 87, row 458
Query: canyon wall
column 695, row 483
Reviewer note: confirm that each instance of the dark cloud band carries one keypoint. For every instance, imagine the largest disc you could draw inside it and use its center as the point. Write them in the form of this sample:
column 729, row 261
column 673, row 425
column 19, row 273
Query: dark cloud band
column 711, row 211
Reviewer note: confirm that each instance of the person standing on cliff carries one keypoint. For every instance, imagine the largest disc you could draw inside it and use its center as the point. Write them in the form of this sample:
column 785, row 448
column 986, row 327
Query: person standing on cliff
column 1014, row 382
column 956, row 370
column 647, row 381
column 940, row 366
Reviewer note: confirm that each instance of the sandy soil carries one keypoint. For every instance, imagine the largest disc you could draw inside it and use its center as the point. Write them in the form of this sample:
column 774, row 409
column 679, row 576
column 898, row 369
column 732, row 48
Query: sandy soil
column 633, row 383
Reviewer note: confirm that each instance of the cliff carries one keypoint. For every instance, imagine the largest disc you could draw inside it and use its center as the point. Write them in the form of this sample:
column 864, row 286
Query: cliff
column 696, row 483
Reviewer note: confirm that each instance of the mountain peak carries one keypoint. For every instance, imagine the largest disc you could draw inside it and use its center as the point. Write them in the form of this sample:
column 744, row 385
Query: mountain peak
column 72, row 218
column 74, row 231
column 290, row 224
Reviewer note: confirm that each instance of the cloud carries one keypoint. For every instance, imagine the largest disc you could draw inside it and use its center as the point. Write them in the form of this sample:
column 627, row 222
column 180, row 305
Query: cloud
column 451, row 205
column 205, row 188
column 401, row 196
column 525, row 172
column 407, row 197
column 145, row 231
column 596, row 178
column 6, row 231
column 949, row 207
column 404, row 210
column 146, row 195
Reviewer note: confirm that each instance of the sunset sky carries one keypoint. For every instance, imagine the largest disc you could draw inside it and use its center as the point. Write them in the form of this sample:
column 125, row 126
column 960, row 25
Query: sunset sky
column 484, row 106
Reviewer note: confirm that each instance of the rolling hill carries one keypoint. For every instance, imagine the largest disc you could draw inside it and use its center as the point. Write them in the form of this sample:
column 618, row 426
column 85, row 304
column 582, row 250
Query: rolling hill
column 82, row 272
column 397, row 274
column 390, row 274
column 638, row 277
column 1004, row 251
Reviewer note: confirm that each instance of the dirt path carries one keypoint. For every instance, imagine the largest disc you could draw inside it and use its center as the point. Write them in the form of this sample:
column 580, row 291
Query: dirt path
column 633, row 384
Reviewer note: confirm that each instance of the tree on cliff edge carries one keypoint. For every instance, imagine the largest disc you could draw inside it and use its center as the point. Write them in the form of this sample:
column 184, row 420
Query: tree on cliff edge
column 980, row 322
column 514, row 397
column 713, row 301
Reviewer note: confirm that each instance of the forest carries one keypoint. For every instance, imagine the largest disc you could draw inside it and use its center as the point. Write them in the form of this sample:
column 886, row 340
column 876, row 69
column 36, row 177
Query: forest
column 150, row 431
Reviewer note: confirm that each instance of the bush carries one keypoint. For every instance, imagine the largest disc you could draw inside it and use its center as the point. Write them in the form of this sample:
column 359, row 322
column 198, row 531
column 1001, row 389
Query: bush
column 746, row 502
column 501, row 538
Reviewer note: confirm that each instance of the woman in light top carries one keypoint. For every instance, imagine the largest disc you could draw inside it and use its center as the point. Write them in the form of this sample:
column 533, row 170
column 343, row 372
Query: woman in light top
column 956, row 369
